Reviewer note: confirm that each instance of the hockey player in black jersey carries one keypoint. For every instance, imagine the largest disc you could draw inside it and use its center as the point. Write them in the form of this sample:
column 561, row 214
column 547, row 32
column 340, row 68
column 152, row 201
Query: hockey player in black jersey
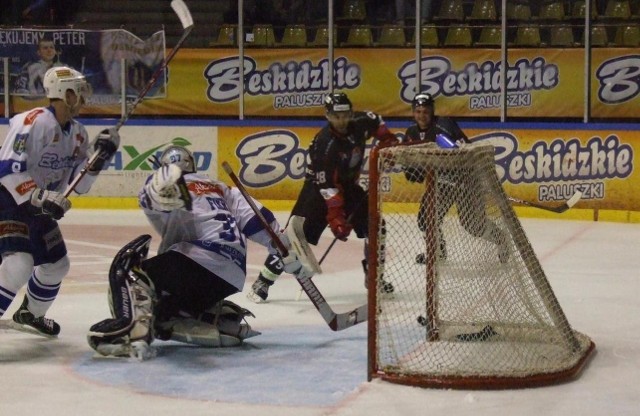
column 331, row 194
column 445, row 131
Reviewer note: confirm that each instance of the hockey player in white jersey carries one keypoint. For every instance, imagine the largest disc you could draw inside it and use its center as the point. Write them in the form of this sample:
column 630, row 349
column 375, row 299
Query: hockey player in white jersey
column 180, row 293
column 44, row 149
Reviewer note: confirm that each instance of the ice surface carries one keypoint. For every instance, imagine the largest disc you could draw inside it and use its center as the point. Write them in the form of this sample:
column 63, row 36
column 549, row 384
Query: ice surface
column 298, row 366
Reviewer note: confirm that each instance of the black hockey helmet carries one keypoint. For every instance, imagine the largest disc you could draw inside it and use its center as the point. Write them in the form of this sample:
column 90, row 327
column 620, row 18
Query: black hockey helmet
column 337, row 101
column 422, row 100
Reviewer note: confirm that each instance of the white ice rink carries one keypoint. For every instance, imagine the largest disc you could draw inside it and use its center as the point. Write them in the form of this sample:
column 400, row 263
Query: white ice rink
column 298, row 366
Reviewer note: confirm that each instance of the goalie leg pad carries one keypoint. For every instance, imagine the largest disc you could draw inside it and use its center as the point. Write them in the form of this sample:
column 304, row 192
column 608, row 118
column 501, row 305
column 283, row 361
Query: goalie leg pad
column 131, row 300
column 223, row 325
column 133, row 321
column 230, row 319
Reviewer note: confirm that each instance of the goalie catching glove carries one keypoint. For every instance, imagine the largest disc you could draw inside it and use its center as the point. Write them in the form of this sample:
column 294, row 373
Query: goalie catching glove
column 167, row 189
column 106, row 144
column 51, row 203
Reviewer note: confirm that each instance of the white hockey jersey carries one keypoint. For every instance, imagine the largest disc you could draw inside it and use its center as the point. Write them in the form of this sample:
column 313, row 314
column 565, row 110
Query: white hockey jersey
column 214, row 233
column 38, row 152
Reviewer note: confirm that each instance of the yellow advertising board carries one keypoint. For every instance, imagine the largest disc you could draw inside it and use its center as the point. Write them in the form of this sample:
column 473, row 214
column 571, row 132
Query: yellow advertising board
column 539, row 165
column 546, row 82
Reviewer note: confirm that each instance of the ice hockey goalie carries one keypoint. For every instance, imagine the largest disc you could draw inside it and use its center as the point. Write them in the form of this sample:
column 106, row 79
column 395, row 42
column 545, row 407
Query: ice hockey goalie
column 139, row 314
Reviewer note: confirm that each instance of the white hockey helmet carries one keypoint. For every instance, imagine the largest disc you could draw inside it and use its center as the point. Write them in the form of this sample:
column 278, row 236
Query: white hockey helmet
column 58, row 80
column 180, row 156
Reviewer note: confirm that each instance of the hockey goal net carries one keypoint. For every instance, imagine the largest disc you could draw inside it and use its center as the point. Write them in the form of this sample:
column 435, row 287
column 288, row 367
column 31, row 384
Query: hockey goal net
column 472, row 306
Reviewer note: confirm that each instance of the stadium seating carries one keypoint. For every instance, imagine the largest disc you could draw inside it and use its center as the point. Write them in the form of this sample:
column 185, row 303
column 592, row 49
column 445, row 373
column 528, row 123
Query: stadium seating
column 628, row 35
column 428, row 36
column 321, row 37
column 561, row 36
column 458, row 35
column 490, row 35
column 618, row 9
column 226, row 36
column 450, row 10
column 392, row 35
column 263, row 35
column 552, row 10
column 483, row 10
column 294, row 36
column 518, row 11
column 359, row 35
column 579, row 7
column 353, row 10
column 599, row 37
column 528, row 35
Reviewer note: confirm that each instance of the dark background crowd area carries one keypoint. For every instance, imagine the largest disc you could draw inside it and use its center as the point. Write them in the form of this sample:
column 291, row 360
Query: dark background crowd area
column 374, row 18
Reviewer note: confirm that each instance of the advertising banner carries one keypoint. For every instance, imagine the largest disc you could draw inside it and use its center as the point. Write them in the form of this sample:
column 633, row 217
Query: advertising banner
column 97, row 55
column 534, row 165
column 541, row 82
column 615, row 83
column 132, row 163
column 546, row 165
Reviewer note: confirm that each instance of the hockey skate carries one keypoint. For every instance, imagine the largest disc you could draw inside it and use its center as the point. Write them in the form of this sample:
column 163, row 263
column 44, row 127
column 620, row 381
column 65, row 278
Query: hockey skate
column 26, row 322
column 385, row 286
column 421, row 258
column 260, row 289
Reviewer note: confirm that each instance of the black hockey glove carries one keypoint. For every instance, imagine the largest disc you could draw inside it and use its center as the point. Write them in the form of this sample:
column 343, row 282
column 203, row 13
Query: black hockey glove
column 106, row 143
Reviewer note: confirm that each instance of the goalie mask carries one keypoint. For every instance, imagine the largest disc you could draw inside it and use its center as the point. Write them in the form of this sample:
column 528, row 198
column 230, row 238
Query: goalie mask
column 180, row 156
column 58, row 80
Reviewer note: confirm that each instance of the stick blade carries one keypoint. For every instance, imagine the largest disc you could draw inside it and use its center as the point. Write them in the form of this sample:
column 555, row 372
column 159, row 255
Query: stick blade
column 574, row 199
column 348, row 319
column 299, row 243
column 181, row 9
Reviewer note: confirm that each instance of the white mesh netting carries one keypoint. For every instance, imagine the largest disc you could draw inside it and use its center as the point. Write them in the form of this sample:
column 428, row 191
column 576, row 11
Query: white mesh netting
column 472, row 304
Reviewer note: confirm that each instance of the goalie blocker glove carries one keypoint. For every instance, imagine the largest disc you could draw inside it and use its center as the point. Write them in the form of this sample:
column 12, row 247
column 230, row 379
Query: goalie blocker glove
column 106, row 144
column 51, row 203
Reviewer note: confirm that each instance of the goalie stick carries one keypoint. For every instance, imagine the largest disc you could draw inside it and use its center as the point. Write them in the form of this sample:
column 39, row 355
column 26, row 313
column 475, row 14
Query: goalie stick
column 183, row 13
column 326, row 253
column 336, row 321
column 559, row 209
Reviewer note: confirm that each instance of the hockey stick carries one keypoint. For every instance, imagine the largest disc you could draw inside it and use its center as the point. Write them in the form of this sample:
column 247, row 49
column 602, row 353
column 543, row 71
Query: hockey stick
column 485, row 334
column 336, row 321
column 182, row 11
column 326, row 252
column 559, row 209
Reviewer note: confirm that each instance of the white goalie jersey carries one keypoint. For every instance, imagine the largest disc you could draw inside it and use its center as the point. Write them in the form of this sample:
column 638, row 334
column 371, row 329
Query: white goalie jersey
column 214, row 232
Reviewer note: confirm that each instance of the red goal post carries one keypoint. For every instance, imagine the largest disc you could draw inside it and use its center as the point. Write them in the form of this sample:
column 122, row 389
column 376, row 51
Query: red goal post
column 478, row 310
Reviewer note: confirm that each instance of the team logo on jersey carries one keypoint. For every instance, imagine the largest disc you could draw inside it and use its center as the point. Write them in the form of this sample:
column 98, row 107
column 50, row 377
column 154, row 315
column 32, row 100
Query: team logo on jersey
column 204, row 188
column 25, row 187
column 20, row 143
column 13, row 229
column 28, row 120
